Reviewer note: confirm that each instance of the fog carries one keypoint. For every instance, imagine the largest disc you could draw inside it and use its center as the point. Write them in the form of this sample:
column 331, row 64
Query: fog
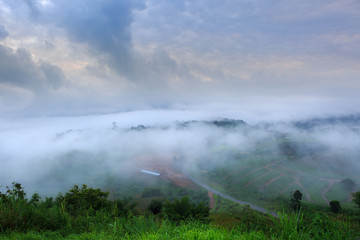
column 49, row 155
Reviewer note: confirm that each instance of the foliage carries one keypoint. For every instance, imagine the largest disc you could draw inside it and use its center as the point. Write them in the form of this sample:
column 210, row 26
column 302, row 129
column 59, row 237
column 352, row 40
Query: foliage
column 48, row 219
column 197, row 196
column 35, row 199
column 16, row 191
column 356, row 198
column 123, row 207
column 287, row 226
column 155, row 207
column 184, row 209
column 20, row 215
column 17, row 213
column 301, row 225
column 152, row 192
column 296, row 200
column 78, row 200
column 335, row 206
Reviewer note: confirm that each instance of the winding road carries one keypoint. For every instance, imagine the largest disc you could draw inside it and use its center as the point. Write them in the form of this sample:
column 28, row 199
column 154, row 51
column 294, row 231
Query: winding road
column 256, row 208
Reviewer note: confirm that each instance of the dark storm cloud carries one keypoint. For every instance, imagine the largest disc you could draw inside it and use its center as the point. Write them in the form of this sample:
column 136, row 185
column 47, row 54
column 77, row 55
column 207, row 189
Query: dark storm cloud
column 18, row 69
column 104, row 26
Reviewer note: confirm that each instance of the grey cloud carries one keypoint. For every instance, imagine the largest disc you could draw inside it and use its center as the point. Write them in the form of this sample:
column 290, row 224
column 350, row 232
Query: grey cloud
column 54, row 75
column 18, row 69
column 104, row 26
column 230, row 44
column 264, row 27
column 3, row 32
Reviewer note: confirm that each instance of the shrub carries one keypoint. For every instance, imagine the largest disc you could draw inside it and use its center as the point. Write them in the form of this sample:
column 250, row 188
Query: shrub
column 123, row 207
column 155, row 207
column 77, row 200
column 335, row 206
column 183, row 209
column 296, row 200
column 16, row 213
column 356, row 198
column 152, row 192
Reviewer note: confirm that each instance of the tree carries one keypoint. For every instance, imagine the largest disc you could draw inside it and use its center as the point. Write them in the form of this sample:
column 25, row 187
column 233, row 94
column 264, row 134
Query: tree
column 81, row 199
column 35, row 199
column 335, row 206
column 356, row 198
column 15, row 192
column 296, row 200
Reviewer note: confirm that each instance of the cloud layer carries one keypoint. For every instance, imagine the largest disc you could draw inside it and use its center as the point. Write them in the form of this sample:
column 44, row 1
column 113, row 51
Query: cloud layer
column 51, row 154
column 85, row 57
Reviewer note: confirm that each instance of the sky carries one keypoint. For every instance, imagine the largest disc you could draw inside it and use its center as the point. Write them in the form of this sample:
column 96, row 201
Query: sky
column 285, row 59
column 80, row 65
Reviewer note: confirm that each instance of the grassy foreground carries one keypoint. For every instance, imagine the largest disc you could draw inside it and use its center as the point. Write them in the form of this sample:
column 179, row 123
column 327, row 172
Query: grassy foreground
column 85, row 213
column 149, row 227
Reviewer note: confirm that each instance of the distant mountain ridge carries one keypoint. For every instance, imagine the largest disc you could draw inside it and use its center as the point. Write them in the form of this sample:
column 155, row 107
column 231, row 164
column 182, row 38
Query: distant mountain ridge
column 222, row 123
column 352, row 119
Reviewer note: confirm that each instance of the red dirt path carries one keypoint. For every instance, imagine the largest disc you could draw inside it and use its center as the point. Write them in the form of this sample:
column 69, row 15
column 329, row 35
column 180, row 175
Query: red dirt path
column 211, row 200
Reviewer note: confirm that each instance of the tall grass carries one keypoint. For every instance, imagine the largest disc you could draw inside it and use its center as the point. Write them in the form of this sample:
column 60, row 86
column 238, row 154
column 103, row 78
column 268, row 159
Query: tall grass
column 140, row 227
column 19, row 215
column 51, row 219
column 287, row 226
column 317, row 225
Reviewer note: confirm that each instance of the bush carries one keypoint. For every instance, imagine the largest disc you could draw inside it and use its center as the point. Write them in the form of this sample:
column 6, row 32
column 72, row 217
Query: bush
column 296, row 200
column 356, row 198
column 123, row 207
column 155, row 207
column 78, row 200
column 152, row 192
column 18, row 214
column 183, row 209
column 335, row 206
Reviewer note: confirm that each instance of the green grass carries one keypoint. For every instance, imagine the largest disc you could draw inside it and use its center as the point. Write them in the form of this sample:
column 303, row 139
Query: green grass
column 338, row 193
column 243, row 226
column 246, row 181
column 55, row 219
column 276, row 187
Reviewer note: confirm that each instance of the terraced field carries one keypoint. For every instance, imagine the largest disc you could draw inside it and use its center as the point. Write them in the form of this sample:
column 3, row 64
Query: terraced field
column 276, row 179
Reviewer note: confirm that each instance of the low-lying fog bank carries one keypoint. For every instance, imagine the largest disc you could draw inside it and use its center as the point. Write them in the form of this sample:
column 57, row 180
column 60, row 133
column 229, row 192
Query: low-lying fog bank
column 50, row 155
